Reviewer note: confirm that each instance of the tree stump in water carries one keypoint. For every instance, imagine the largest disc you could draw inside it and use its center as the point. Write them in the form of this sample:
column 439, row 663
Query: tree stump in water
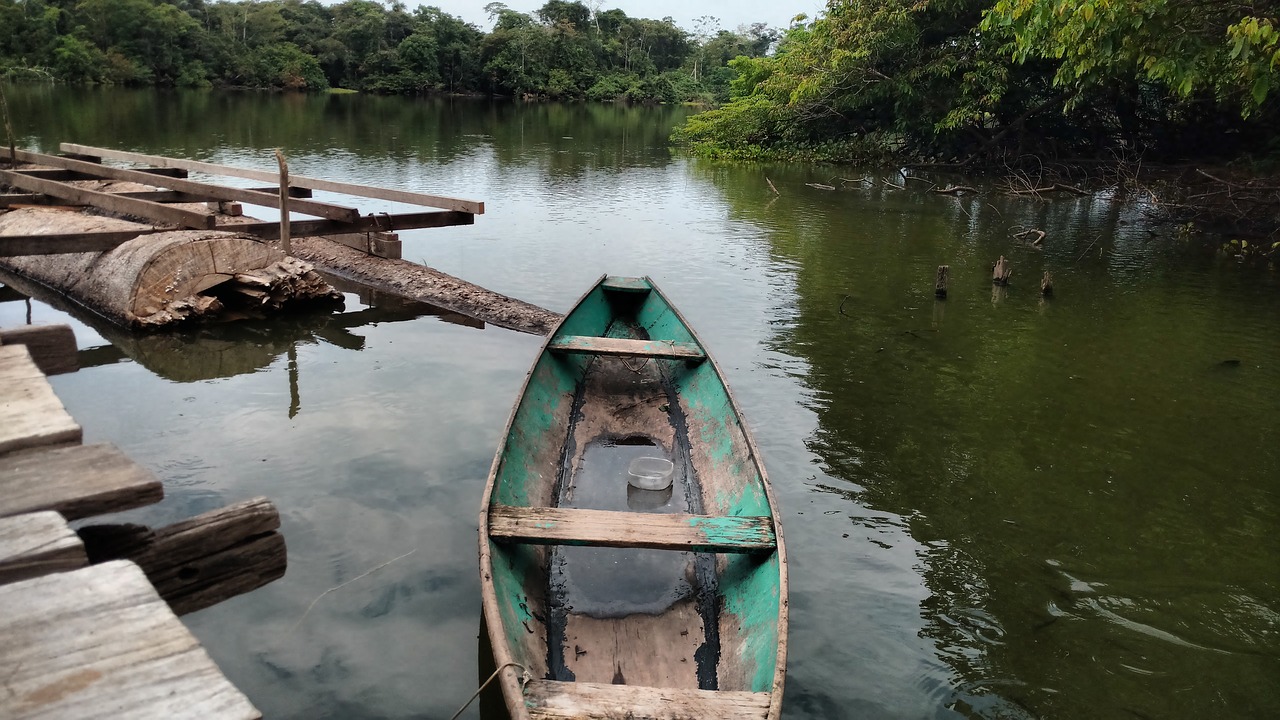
column 940, row 285
column 1046, row 284
column 1001, row 272
column 166, row 278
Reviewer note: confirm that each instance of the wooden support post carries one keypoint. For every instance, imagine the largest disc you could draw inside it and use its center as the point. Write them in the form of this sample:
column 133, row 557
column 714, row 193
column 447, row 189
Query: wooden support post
column 940, row 285
column 284, row 201
column 1001, row 272
column 1046, row 284
column 8, row 130
column 225, row 207
column 52, row 347
column 202, row 561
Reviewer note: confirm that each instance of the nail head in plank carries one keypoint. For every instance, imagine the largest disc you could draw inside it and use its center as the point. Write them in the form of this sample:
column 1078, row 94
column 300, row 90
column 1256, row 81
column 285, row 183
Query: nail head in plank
column 551, row 699
column 78, row 481
column 100, row 643
column 606, row 528
column 665, row 349
column 36, row 544
column 473, row 207
column 30, row 413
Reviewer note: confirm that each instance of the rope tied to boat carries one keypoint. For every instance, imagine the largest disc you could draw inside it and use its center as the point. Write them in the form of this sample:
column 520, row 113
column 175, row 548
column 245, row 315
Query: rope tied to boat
column 525, row 677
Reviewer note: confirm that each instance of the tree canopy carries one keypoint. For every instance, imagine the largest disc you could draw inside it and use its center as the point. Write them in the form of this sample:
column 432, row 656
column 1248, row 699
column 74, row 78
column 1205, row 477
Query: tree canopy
column 564, row 49
column 994, row 80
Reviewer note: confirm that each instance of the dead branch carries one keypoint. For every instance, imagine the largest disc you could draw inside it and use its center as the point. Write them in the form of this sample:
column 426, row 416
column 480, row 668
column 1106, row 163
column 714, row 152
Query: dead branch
column 954, row 190
column 821, row 186
column 771, row 185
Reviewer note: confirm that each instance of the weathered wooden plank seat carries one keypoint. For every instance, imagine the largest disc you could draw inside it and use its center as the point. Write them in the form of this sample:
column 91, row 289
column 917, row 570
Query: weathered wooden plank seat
column 662, row 349
column 607, row 528
column 550, row 699
column 615, row 283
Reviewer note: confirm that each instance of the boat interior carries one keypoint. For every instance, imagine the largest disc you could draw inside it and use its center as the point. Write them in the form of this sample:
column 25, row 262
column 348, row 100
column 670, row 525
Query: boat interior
column 631, row 535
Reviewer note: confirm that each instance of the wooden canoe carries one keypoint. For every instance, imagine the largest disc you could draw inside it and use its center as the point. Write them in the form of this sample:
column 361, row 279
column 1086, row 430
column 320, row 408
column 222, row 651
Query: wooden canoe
column 607, row 601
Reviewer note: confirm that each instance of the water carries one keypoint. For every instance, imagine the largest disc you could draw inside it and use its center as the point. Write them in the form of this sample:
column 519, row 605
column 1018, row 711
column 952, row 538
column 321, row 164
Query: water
column 995, row 506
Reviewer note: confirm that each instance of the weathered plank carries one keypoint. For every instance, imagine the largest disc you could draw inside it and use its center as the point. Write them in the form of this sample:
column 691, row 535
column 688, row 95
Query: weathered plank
column 665, row 349
column 448, row 203
column 368, row 223
column 30, row 414
column 606, row 528
column 550, row 699
column 77, row 481
column 65, row 175
column 201, row 561
column 111, row 202
column 626, row 284
column 37, row 544
column 100, row 643
column 52, row 347
column 206, row 191
column 381, row 244
column 60, row 243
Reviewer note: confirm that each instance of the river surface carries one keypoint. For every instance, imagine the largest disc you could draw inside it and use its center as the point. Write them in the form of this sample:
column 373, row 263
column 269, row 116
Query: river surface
column 996, row 506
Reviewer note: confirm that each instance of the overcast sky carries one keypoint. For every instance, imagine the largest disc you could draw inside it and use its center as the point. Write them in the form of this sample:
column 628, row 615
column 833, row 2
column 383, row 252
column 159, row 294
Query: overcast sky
column 731, row 13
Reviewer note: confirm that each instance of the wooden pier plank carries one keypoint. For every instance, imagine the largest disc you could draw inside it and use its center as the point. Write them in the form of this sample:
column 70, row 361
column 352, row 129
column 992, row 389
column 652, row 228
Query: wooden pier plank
column 100, row 643
column 37, row 544
column 474, row 207
column 78, row 481
column 30, row 413
column 52, row 347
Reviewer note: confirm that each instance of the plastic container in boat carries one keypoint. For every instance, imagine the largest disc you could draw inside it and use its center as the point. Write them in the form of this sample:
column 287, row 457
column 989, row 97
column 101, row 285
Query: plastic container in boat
column 650, row 473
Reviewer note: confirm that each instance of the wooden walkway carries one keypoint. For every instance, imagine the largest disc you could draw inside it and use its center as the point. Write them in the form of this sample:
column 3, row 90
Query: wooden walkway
column 80, row 640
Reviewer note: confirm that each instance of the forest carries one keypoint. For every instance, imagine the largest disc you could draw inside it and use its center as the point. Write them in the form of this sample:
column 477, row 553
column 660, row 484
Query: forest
column 563, row 50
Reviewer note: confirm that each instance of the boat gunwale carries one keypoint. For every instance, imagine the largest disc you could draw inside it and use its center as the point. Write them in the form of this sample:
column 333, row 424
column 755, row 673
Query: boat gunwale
column 508, row 678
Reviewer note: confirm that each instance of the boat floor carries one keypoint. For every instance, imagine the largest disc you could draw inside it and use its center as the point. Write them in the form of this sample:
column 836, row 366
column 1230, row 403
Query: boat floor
column 628, row 615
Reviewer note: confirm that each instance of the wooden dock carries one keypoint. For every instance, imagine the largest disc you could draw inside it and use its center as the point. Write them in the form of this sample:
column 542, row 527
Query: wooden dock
column 82, row 634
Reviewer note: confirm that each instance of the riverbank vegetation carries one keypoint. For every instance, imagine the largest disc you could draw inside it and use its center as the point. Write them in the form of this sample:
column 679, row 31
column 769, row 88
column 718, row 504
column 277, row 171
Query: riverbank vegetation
column 1047, row 90
column 564, row 50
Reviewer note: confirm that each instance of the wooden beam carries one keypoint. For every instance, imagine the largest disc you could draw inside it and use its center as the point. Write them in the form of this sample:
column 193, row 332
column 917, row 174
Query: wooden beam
column 99, row 642
column 206, row 191
column 548, row 699
column 78, row 481
column 52, row 347
column 110, row 202
column 662, row 349
column 99, row 241
column 607, row 528
column 367, row 223
column 202, row 561
column 63, row 175
column 103, row 240
column 37, row 544
column 474, row 207
column 380, row 244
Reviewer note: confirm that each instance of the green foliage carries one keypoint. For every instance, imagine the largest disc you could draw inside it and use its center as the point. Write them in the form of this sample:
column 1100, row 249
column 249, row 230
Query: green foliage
column 564, row 49
column 1185, row 46
column 998, row 80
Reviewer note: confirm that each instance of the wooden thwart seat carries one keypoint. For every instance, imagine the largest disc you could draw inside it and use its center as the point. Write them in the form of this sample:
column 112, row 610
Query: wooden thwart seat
column 606, row 528
column 616, row 283
column 663, row 349
column 548, row 699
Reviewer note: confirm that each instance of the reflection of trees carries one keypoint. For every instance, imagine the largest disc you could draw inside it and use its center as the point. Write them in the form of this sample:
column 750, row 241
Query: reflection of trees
column 1060, row 461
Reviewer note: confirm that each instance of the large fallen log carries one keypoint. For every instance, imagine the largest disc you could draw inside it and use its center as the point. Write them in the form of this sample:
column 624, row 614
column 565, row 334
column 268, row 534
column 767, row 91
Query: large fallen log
column 418, row 282
column 165, row 278
column 201, row 561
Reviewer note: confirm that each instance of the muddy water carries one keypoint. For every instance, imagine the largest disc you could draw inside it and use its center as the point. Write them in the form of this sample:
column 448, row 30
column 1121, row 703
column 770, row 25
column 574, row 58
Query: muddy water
column 996, row 505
